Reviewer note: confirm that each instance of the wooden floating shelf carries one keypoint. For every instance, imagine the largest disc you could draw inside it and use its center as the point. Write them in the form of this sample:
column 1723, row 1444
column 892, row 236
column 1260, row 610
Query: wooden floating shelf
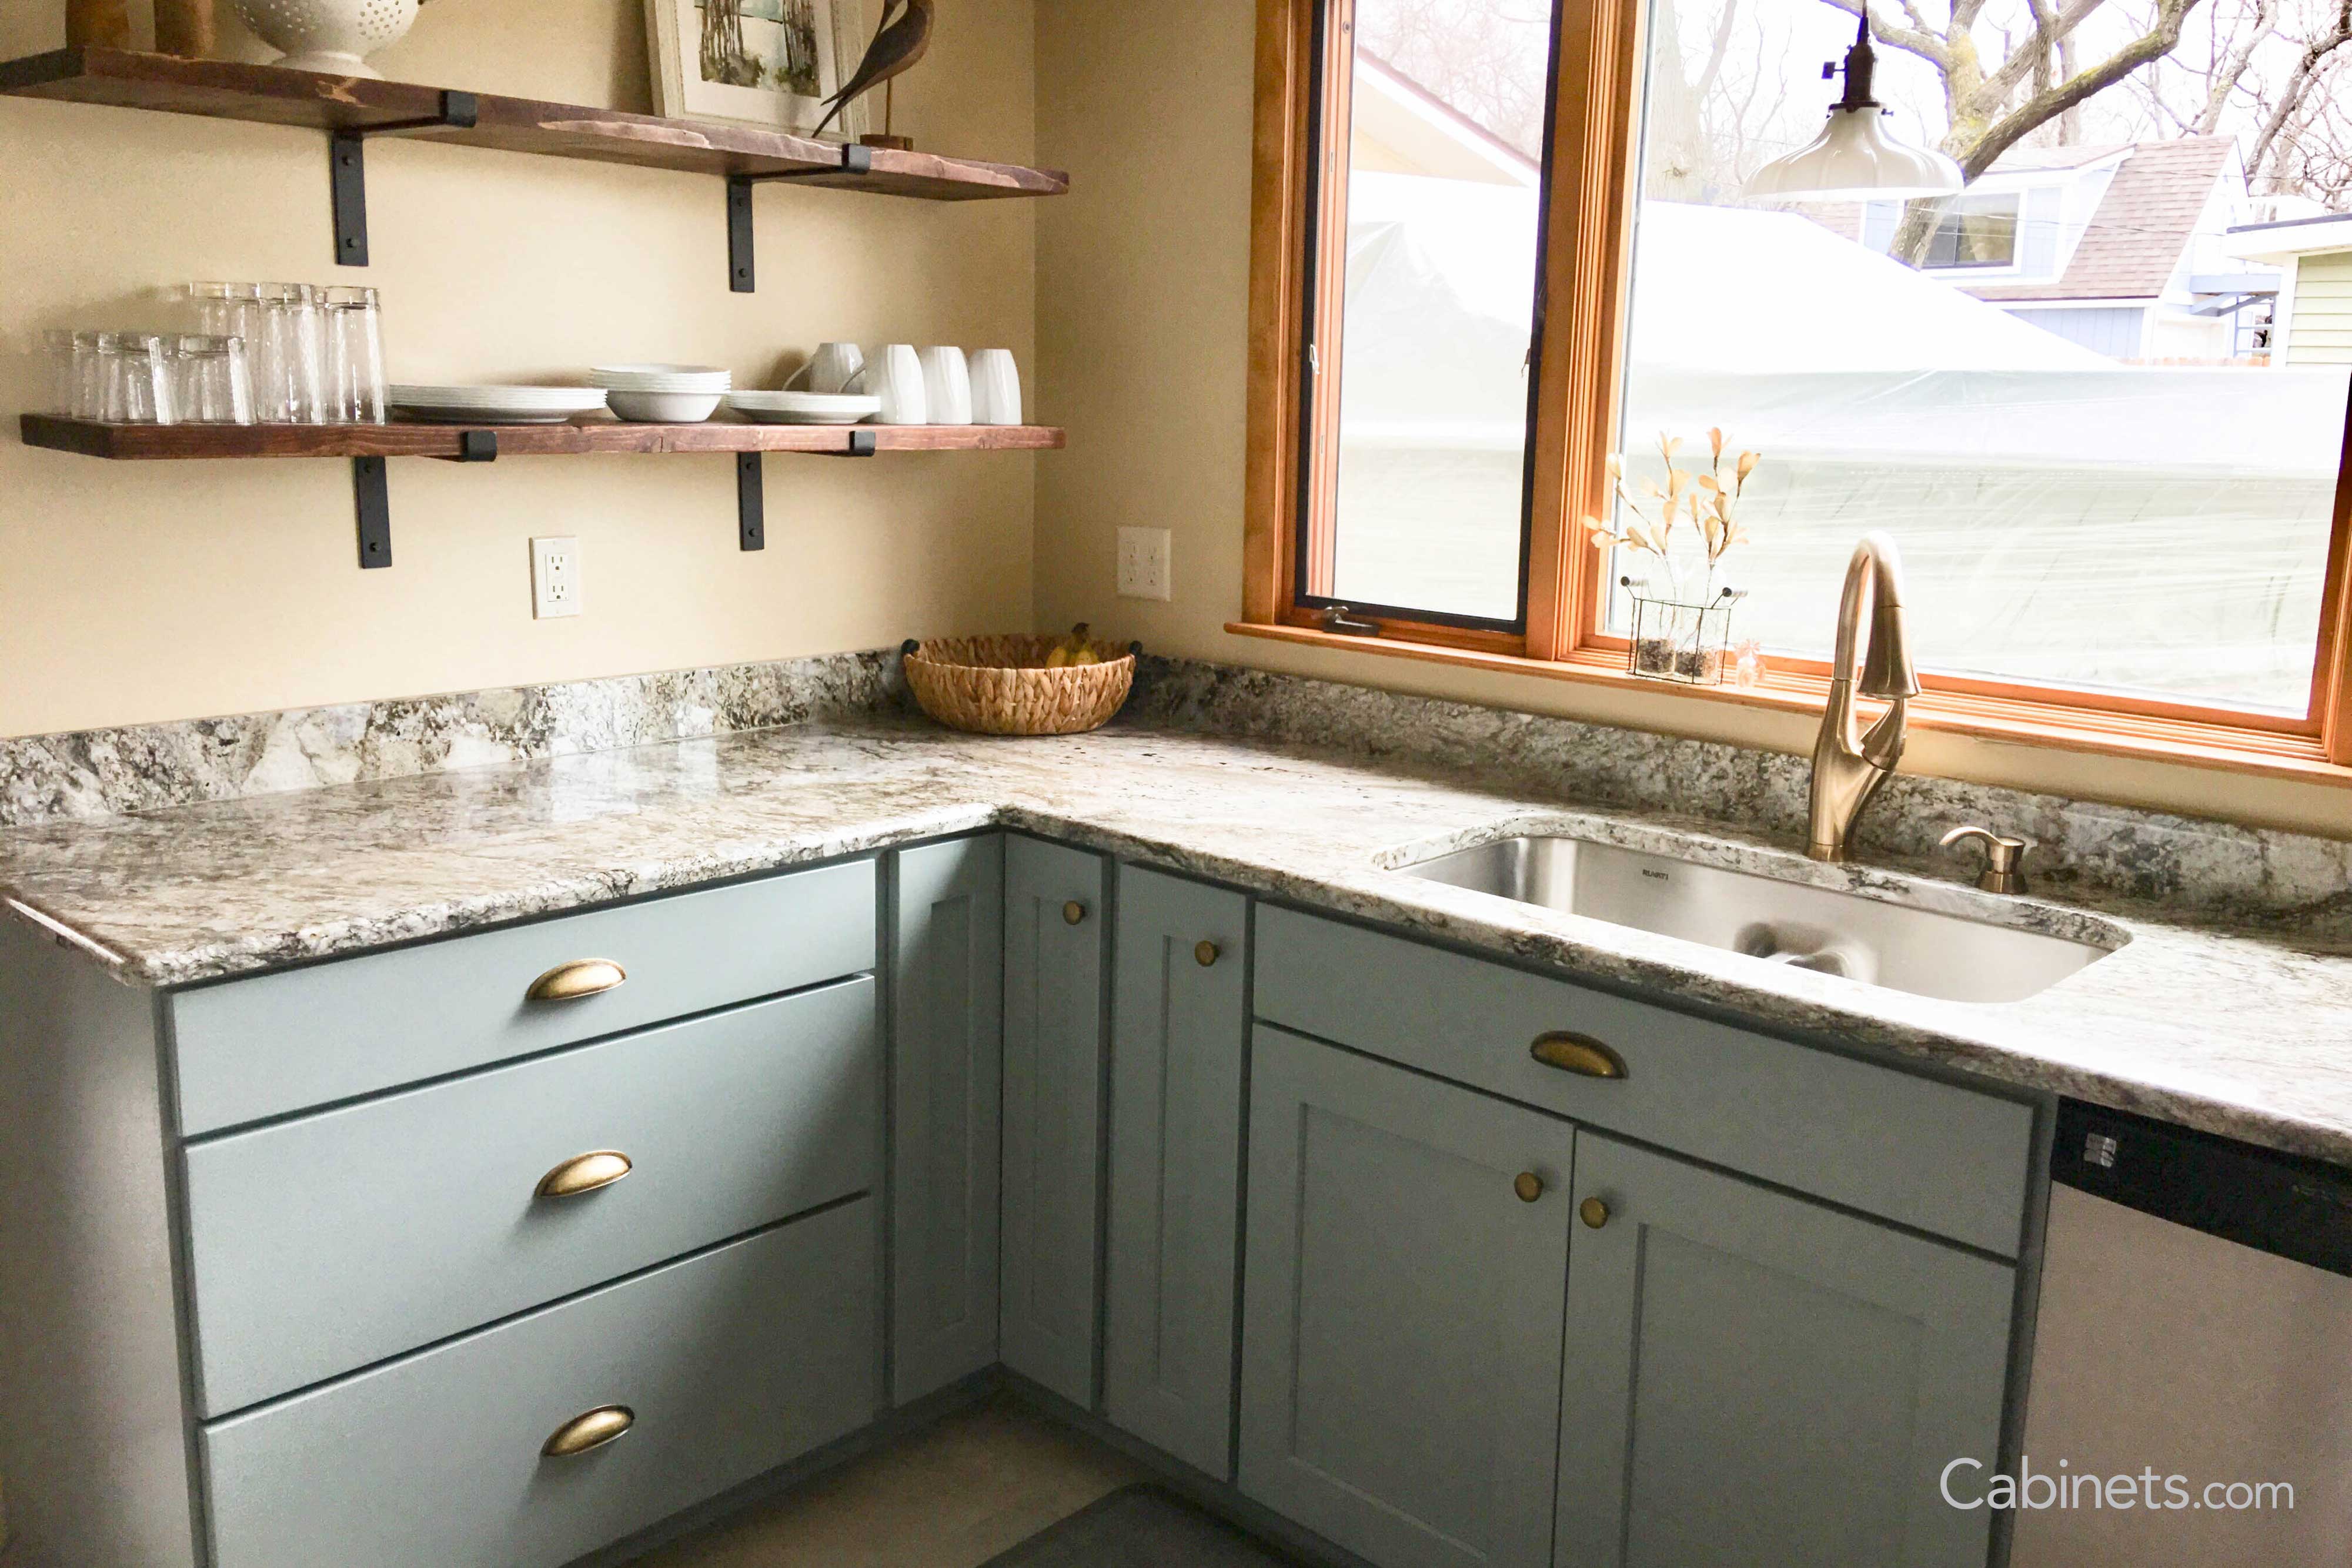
column 270, row 95
column 139, row 442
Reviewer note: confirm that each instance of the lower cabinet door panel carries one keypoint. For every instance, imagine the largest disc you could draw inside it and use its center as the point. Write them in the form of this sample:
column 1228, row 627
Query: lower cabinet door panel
column 733, row 1363
column 947, row 1005
column 1757, row 1381
column 1179, row 1025
column 1400, row 1369
column 1054, row 941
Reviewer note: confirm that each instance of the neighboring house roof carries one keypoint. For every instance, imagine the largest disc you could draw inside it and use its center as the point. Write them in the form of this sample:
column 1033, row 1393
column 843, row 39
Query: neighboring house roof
column 1423, row 134
column 2021, row 159
column 2142, row 225
column 2290, row 237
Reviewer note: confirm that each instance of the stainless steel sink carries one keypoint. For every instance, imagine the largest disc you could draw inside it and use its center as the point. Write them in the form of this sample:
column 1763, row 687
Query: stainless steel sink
column 1897, row 946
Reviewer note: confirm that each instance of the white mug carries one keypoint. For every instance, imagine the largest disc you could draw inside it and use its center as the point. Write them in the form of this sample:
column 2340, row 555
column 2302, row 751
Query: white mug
column 995, row 387
column 895, row 375
column 947, row 386
column 829, row 369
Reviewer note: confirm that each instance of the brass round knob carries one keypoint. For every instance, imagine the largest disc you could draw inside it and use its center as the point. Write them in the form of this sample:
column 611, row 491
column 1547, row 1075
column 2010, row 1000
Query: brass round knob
column 1204, row 954
column 1529, row 1185
column 1593, row 1212
column 1074, row 912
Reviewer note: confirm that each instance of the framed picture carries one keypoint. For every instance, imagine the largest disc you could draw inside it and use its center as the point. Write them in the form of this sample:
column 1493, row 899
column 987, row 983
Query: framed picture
column 769, row 63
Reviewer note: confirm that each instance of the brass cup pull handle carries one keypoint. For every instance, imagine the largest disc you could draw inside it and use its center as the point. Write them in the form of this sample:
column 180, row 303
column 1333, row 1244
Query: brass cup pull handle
column 586, row 1433
column 1529, row 1185
column 1204, row 954
column 590, row 1171
column 1074, row 912
column 1578, row 1053
column 1593, row 1212
column 580, row 977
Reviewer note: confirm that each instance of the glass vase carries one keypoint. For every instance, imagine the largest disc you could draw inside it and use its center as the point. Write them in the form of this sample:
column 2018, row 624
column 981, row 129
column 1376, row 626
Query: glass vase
column 1685, row 642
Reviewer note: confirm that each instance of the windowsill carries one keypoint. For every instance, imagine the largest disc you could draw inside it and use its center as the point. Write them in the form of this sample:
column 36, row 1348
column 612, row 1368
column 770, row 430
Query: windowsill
column 2189, row 743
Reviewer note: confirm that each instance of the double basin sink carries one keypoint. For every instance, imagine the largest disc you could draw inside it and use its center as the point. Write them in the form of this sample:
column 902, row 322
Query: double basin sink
column 1869, row 940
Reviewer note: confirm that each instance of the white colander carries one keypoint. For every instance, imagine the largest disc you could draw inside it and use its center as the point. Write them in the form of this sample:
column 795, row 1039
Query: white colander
column 330, row 36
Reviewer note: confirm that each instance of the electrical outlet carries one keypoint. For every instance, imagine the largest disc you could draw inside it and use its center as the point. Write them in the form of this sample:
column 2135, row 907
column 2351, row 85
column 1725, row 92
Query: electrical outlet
column 1143, row 564
column 555, row 578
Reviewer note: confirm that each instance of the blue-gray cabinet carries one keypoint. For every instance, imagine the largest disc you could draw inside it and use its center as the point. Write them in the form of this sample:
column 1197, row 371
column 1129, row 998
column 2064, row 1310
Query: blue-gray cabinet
column 1055, row 939
column 714, row 1370
column 1179, row 1026
column 1757, row 1380
column 946, row 1014
column 1407, row 1266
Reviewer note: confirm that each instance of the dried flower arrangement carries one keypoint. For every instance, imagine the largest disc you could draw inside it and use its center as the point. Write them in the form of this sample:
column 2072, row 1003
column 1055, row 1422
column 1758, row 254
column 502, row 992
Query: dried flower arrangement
column 1694, row 630
column 1712, row 504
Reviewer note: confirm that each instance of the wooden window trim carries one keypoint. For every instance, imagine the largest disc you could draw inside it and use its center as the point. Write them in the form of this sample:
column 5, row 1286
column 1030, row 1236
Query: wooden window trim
column 1587, row 277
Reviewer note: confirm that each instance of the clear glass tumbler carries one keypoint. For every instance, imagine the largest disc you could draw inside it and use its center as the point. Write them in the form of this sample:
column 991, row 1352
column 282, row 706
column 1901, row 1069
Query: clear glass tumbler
column 226, row 309
column 89, row 375
column 212, row 383
column 57, row 347
column 289, row 358
column 137, row 380
column 354, row 378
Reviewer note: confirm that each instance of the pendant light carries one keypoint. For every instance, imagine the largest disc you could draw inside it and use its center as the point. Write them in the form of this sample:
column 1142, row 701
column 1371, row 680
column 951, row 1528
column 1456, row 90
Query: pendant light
column 1853, row 159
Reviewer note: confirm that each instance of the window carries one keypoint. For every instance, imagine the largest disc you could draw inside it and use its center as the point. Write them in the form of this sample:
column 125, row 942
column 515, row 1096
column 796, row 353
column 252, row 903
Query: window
column 1501, row 251
column 1975, row 230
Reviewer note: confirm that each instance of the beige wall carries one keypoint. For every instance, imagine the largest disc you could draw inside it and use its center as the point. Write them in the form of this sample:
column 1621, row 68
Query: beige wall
column 1143, row 272
column 134, row 592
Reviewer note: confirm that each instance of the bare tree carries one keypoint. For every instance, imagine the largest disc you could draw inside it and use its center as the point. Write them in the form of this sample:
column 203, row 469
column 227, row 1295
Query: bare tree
column 1488, row 59
column 722, row 40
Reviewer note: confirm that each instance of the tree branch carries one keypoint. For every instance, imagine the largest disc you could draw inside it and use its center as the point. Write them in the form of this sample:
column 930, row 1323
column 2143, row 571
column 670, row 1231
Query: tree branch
column 2016, row 125
column 2018, row 67
column 1917, row 40
column 2314, row 55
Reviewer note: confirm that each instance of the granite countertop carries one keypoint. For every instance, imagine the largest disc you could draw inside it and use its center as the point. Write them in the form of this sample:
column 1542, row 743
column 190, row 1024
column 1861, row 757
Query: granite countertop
column 2235, row 1031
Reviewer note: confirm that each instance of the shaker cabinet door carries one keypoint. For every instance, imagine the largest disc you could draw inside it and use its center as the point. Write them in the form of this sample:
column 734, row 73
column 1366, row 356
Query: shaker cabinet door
column 1407, row 1256
column 947, row 1027
column 1054, row 953
column 1179, row 1024
column 1754, row 1380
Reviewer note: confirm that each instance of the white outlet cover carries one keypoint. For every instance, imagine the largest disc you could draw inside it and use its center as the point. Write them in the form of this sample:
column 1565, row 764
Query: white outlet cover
column 555, row 578
column 1144, row 564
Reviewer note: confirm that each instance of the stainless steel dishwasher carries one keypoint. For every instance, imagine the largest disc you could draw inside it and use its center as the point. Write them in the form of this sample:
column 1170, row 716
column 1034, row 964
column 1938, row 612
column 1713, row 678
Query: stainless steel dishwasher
column 2195, row 1335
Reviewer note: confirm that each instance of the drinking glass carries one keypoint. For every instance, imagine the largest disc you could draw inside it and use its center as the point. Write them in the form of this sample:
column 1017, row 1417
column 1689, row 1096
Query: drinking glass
column 212, row 383
column 137, row 380
column 58, row 344
column 355, row 391
column 289, row 358
column 226, row 309
column 89, row 375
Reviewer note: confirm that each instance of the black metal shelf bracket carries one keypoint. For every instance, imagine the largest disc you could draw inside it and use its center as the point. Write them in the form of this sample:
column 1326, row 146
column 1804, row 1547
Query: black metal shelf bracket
column 750, row 503
column 741, row 266
column 347, row 169
column 372, row 494
column 371, row 499
column 750, row 489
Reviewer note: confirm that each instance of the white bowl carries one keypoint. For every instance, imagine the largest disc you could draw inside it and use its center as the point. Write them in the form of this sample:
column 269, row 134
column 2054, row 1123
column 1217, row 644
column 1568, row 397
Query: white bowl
column 803, row 408
column 328, row 35
column 663, row 407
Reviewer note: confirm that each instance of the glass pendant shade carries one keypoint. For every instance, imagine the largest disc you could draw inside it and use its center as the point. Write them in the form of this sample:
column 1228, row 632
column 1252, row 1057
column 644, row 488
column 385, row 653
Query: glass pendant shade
column 1853, row 159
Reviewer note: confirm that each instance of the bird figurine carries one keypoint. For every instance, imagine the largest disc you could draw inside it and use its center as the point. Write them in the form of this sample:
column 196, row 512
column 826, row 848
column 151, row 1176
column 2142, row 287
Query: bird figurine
column 897, row 44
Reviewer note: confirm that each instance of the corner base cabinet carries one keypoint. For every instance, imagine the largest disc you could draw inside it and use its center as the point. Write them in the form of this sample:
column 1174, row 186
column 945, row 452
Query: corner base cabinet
column 1444, row 1262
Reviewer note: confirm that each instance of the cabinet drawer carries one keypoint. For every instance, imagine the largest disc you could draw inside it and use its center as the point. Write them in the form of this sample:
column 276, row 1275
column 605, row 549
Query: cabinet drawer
column 325, row 1243
column 285, row 1042
column 733, row 1363
column 1946, row 1159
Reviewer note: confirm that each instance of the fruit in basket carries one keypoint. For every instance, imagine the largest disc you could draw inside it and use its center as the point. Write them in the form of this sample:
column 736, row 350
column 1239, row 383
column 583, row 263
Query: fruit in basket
column 1072, row 650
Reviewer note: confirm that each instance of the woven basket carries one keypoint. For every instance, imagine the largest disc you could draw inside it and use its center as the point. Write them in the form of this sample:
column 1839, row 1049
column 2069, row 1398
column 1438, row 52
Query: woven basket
column 999, row 685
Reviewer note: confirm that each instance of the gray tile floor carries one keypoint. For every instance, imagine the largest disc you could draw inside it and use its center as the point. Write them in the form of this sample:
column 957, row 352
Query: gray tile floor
column 951, row 1496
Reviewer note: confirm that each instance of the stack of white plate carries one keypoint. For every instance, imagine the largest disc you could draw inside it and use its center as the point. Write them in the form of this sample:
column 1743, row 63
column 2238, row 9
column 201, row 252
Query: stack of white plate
column 803, row 408
column 494, row 405
column 663, row 395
